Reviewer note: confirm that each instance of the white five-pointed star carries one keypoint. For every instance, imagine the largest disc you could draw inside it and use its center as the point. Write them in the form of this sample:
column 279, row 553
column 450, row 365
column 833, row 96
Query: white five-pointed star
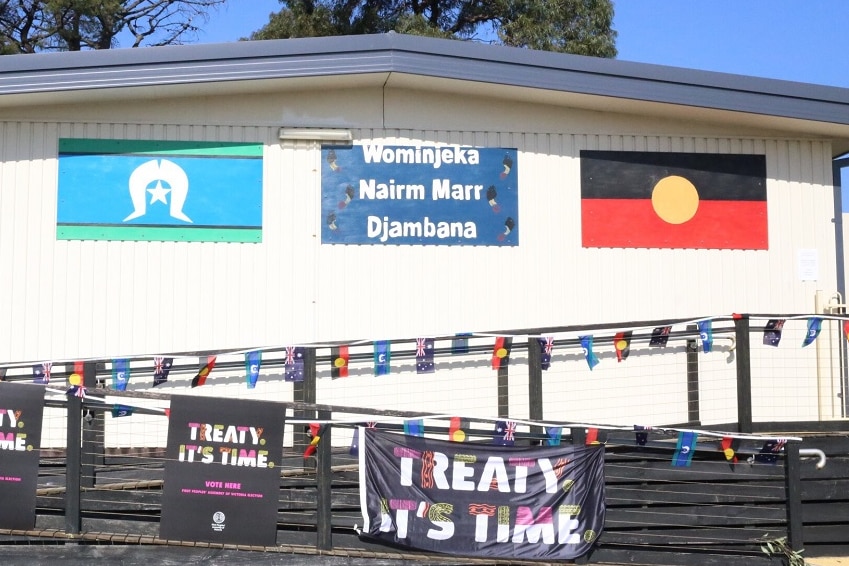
column 158, row 193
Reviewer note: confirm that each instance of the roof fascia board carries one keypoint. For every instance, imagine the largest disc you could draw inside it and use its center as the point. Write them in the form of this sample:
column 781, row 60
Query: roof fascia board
column 388, row 53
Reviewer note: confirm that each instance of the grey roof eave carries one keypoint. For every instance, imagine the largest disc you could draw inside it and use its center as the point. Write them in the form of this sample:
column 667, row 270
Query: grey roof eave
column 438, row 58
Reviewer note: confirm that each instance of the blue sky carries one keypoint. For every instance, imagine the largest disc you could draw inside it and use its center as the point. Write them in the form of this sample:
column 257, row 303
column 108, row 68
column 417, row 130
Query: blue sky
column 797, row 40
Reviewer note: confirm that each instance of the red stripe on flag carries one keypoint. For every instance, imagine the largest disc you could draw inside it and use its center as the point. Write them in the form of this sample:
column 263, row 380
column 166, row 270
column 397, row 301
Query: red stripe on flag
column 633, row 223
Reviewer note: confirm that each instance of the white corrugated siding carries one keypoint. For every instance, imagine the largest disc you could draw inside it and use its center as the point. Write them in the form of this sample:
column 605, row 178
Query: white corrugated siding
column 61, row 299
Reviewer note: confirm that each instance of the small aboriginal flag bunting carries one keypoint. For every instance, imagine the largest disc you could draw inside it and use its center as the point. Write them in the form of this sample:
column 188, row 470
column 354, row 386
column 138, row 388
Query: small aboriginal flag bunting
column 772, row 331
column 587, row 347
column 316, row 432
column 595, row 436
column 382, row 357
column 622, row 343
column 339, row 358
column 293, row 366
column 660, row 336
column 161, row 369
column 76, row 389
column 546, row 347
column 505, row 433
column 458, row 429
column 814, row 328
column 120, row 374
column 424, row 355
column 846, row 329
column 501, row 352
column 41, row 373
column 685, row 448
column 200, row 378
column 706, row 335
column 253, row 361
column 414, row 427
column 729, row 448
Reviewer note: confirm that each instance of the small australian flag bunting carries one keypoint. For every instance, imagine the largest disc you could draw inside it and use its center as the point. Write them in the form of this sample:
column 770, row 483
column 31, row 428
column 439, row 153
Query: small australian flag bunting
column 814, row 328
column 770, row 451
column 382, row 357
column 161, row 369
column 706, row 335
column 424, row 355
column 684, row 450
column 41, row 373
column 546, row 347
column 772, row 331
column 587, row 347
column 660, row 336
column 505, row 433
column 294, row 364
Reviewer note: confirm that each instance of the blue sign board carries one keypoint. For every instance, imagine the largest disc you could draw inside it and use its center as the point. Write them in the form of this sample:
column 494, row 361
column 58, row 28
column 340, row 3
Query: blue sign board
column 444, row 195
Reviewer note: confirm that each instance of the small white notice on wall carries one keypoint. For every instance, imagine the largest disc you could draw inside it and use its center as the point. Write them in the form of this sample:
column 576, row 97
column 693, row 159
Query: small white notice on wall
column 809, row 265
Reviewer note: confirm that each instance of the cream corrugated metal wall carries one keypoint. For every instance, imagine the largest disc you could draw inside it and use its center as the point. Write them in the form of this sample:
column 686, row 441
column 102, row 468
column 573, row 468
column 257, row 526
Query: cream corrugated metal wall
column 72, row 299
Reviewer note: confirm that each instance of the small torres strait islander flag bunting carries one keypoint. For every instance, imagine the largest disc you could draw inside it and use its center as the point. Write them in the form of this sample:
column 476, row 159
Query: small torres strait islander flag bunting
column 41, row 373
column 660, row 336
column 684, row 450
column 729, row 448
column 587, row 347
column 622, row 343
column 554, row 434
column 501, row 352
column 253, row 361
column 814, row 328
column 424, row 355
column 122, row 411
column 382, row 357
column 339, row 358
column 460, row 343
column 161, row 369
column 200, row 378
column 457, row 429
column 706, row 335
column 505, row 433
column 546, row 347
column 120, row 374
column 772, row 331
column 635, row 199
column 414, row 427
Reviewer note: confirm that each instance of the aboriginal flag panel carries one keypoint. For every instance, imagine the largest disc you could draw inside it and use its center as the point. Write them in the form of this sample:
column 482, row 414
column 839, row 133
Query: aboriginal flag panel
column 633, row 199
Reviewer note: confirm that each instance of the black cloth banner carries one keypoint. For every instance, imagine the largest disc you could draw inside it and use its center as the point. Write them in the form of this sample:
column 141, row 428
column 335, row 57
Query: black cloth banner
column 222, row 477
column 21, row 411
column 481, row 500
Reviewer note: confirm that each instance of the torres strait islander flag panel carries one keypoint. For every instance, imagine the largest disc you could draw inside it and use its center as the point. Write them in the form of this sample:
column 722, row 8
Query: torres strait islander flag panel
column 427, row 194
column 159, row 191
column 634, row 199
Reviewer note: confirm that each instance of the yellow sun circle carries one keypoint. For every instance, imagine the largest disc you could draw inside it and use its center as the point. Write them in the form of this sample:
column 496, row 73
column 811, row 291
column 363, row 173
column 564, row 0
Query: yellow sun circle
column 621, row 344
column 339, row 362
column 501, row 353
column 675, row 199
column 75, row 379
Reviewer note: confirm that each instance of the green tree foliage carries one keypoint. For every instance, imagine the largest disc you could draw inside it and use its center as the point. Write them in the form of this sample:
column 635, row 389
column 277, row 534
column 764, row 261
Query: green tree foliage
column 582, row 27
column 30, row 26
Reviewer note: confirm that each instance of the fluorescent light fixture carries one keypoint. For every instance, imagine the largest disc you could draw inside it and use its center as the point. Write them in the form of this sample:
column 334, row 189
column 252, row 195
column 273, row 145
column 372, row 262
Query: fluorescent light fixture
column 318, row 134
